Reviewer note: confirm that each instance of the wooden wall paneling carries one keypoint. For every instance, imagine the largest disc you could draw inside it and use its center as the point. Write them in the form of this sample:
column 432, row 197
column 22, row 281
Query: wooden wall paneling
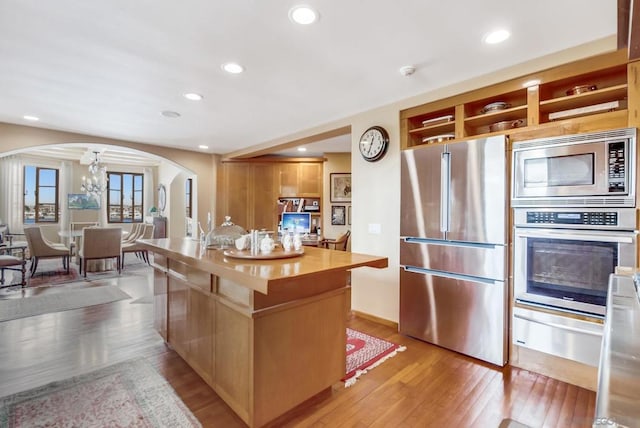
column 237, row 185
column 633, row 93
column 310, row 179
column 233, row 359
column 178, row 328
column 201, row 318
column 533, row 105
column 263, row 204
column 160, row 302
column 284, row 355
column 460, row 131
column 288, row 179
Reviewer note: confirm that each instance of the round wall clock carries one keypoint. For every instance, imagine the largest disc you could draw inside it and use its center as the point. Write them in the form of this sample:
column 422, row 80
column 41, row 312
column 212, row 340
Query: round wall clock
column 373, row 143
column 162, row 197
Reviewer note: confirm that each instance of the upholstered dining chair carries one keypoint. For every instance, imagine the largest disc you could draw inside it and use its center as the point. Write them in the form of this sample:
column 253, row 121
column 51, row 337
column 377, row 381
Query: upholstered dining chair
column 40, row 248
column 340, row 243
column 75, row 227
column 9, row 261
column 135, row 247
column 100, row 243
column 136, row 231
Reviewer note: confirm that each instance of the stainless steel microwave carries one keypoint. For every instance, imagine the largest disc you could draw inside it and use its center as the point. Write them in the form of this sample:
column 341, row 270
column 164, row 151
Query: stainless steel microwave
column 595, row 169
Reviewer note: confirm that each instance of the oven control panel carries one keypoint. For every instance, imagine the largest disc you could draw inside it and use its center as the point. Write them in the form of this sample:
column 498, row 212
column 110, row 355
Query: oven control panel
column 584, row 218
column 616, row 170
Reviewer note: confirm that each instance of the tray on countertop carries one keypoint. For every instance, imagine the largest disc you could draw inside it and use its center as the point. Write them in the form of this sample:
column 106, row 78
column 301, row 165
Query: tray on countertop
column 277, row 253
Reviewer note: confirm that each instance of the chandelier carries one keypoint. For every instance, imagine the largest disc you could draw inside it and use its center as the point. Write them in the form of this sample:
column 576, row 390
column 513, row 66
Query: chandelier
column 96, row 183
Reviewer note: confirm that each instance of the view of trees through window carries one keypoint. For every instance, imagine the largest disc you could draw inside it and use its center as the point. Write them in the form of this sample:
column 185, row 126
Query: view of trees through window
column 40, row 195
column 124, row 197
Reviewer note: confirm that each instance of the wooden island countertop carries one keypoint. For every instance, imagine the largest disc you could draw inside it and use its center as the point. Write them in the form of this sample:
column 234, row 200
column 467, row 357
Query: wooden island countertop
column 252, row 328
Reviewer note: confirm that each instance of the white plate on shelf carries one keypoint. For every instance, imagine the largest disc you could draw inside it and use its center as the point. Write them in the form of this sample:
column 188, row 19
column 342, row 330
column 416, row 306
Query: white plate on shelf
column 438, row 138
column 437, row 120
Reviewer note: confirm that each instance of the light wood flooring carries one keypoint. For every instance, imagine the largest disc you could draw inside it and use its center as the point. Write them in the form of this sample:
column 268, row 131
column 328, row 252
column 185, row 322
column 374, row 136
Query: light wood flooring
column 425, row 386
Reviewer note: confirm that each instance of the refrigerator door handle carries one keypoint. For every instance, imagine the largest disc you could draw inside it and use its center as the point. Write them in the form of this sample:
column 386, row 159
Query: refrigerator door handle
column 444, row 192
column 414, row 240
column 451, row 275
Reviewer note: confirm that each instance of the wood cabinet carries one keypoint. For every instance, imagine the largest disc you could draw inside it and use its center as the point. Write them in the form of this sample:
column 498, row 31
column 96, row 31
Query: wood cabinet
column 266, row 335
column 248, row 191
column 536, row 105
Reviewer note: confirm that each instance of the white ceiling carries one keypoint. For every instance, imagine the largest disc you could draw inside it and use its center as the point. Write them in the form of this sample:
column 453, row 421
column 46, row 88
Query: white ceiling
column 109, row 68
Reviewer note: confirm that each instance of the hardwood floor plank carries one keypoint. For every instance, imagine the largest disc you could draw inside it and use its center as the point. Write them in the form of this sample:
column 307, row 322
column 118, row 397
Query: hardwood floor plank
column 424, row 386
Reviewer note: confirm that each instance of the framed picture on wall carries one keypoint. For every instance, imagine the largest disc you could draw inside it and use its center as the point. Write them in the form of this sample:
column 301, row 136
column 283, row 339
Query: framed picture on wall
column 338, row 214
column 349, row 215
column 340, row 186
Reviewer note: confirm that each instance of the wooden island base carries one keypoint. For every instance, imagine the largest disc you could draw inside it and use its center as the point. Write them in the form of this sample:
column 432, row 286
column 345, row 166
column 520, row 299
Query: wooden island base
column 266, row 335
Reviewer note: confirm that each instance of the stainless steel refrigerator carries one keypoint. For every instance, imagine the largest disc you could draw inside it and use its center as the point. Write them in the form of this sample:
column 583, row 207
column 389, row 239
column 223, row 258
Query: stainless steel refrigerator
column 453, row 274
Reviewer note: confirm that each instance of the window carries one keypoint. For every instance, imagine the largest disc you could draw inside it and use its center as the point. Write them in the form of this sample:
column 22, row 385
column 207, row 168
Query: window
column 40, row 195
column 187, row 193
column 124, row 197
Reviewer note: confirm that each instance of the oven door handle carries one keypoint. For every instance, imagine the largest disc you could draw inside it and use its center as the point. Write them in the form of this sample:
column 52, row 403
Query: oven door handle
column 559, row 326
column 629, row 239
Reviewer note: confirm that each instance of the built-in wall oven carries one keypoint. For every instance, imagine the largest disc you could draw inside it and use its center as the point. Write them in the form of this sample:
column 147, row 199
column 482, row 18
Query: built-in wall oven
column 574, row 224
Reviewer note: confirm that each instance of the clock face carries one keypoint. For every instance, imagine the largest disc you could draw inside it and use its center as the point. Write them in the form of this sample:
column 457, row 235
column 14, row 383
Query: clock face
column 373, row 143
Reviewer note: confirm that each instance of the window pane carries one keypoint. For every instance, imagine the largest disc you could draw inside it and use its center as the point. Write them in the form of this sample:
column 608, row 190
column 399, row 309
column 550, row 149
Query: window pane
column 137, row 182
column 137, row 198
column 29, row 194
column 137, row 212
column 115, row 182
column 48, row 177
column 47, row 195
column 114, row 213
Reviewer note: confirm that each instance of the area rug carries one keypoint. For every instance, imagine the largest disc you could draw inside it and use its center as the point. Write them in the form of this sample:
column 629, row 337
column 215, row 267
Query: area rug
column 364, row 352
column 54, row 277
column 59, row 301
column 129, row 394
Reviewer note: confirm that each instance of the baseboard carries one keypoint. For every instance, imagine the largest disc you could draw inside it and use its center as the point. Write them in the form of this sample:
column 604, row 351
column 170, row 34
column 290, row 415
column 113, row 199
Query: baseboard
column 376, row 319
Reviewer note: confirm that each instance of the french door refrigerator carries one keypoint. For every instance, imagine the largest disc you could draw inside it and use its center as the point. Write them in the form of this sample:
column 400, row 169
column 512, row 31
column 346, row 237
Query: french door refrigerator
column 453, row 287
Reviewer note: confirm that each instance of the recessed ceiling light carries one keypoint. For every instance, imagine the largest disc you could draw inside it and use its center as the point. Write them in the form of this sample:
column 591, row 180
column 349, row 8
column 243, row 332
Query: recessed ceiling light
column 30, row 118
column 232, row 67
column 169, row 113
column 302, row 149
column 303, row 14
column 203, row 147
column 192, row 96
column 497, row 37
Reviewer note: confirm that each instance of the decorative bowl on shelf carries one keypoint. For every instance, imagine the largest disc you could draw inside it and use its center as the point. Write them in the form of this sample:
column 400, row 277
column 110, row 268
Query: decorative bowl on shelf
column 496, row 106
column 507, row 124
column 581, row 89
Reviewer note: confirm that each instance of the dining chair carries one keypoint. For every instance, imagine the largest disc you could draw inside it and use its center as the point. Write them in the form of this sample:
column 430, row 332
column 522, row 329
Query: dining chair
column 136, row 231
column 40, row 248
column 100, row 243
column 9, row 261
column 135, row 247
column 75, row 227
column 340, row 243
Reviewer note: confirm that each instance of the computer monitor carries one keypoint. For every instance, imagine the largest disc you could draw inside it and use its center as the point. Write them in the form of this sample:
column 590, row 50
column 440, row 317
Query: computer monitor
column 296, row 222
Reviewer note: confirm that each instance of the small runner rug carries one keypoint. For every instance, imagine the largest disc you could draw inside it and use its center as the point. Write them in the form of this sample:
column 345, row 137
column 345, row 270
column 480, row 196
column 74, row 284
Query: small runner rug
column 59, row 301
column 129, row 394
column 364, row 352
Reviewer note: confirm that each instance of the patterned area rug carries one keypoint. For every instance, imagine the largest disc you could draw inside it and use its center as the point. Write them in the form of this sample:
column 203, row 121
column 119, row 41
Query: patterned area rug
column 364, row 352
column 59, row 301
column 129, row 394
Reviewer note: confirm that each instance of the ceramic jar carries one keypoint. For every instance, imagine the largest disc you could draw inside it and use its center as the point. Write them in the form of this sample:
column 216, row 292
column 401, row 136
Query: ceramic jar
column 266, row 245
column 287, row 242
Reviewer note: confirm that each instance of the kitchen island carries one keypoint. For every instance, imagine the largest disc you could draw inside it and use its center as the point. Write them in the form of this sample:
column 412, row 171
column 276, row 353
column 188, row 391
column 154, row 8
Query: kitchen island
column 266, row 335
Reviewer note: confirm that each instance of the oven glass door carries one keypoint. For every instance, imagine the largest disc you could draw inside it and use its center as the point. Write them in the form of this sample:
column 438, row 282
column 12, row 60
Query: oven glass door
column 566, row 269
column 570, row 270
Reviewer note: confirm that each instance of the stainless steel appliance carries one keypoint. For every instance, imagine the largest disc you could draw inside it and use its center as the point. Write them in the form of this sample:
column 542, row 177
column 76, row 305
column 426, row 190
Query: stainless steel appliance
column 595, row 169
column 580, row 225
column 452, row 251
